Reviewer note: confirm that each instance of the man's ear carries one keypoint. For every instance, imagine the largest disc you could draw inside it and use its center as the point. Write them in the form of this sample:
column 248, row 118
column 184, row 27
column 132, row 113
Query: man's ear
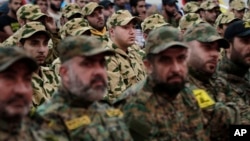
column 148, row 65
column 111, row 31
column 64, row 73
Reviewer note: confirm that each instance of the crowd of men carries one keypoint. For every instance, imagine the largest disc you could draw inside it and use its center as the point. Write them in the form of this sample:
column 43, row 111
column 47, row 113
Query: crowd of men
column 123, row 70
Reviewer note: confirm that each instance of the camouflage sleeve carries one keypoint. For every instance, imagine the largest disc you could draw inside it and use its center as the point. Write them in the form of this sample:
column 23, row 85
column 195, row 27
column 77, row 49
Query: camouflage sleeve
column 115, row 81
column 53, row 51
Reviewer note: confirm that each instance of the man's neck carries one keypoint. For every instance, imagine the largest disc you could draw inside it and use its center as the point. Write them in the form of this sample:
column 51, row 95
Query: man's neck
column 12, row 15
column 125, row 49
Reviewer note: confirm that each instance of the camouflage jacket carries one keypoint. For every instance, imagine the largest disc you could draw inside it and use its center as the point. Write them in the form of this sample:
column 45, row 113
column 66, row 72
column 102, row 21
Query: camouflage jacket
column 12, row 40
column 217, row 111
column 83, row 120
column 238, row 85
column 44, row 85
column 153, row 117
column 124, row 70
column 236, row 78
column 30, row 129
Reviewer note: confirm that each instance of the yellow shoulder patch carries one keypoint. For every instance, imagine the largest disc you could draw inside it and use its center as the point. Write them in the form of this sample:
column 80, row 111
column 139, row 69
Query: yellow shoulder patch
column 204, row 100
column 247, row 24
column 77, row 122
column 114, row 113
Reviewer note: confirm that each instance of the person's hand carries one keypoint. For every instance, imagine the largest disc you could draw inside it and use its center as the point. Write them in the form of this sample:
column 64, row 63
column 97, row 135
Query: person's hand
column 177, row 15
column 50, row 24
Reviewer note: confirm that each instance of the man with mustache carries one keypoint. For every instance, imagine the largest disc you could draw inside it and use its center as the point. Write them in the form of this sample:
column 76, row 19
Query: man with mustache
column 234, row 65
column 16, row 68
column 75, row 109
column 34, row 39
column 126, row 67
column 205, row 44
column 54, row 11
column 162, row 107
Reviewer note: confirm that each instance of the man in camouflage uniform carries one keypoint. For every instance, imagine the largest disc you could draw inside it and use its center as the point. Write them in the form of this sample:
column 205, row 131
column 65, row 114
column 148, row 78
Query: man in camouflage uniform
column 75, row 109
column 125, row 68
column 25, row 14
column 34, row 39
column 161, row 106
column 235, row 64
column 69, row 12
column 209, row 11
column 16, row 68
column 223, row 20
column 205, row 44
column 152, row 22
column 74, row 27
column 170, row 12
column 238, row 7
column 188, row 20
column 191, row 7
column 92, row 12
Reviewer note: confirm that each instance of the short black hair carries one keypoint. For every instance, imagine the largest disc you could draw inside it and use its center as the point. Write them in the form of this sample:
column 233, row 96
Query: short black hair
column 133, row 3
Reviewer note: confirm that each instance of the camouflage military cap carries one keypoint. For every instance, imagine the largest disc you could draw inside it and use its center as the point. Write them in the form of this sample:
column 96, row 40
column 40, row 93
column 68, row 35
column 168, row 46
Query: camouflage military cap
column 81, row 46
column 10, row 55
column 204, row 32
column 238, row 5
column 225, row 18
column 90, row 8
column 30, row 12
column 150, row 22
column 74, row 27
column 71, row 9
column 30, row 29
column 188, row 20
column 208, row 5
column 120, row 18
column 191, row 7
column 163, row 38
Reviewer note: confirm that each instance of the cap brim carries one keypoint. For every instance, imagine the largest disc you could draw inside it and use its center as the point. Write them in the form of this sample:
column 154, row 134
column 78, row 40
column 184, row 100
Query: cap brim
column 80, row 31
column 127, row 20
column 163, row 47
column 223, row 43
column 41, row 31
column 244, row 34
column 31, row 63
column 37, row 16
column 99, row 6
column 73, row 13
column 105, row 51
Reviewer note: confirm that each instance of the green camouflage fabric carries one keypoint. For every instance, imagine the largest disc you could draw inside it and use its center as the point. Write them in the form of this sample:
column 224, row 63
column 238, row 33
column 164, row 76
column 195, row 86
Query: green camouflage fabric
column 82, row 120
column 70, row 9
column 238, row 84
column 44, row 85
column 81, row 45
column 56, row 66
column 155, row 20
column 225, row 18
column 222, row 113
column 163, row 38
column 12, row 40
column 191, row 7
column 204, row 32
column 30, row 29
column 238, row 5
column 208, row 5
column 90, row 8
column 246, row 16
column 29, row 12
column 120, row 18
column 74, row 27
column 124, row 70
column 188, row 20
column 152, row 117
column 29, row 129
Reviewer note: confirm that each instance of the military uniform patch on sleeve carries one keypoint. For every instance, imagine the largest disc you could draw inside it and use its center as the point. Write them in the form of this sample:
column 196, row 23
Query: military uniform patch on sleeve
column 114, row 113
column 77, row 122
column 204, row 100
